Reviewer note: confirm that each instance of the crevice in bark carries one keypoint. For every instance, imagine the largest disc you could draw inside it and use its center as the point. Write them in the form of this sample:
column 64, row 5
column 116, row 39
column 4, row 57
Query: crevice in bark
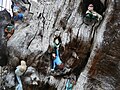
column 41, row 16
column 79, row 10
column 83, row 62
column 70, row 32
column 27, row 2
column 57, row 14
column 106, row 3
column 32, row 39
column 78, row 31
column 64, row 20
column 43, row 21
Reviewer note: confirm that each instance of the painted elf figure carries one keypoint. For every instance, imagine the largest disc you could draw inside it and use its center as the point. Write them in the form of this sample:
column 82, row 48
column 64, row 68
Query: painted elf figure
column 19, row 72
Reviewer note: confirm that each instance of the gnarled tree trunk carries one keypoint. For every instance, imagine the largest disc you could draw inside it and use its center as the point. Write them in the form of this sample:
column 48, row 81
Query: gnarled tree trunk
column 91, row 51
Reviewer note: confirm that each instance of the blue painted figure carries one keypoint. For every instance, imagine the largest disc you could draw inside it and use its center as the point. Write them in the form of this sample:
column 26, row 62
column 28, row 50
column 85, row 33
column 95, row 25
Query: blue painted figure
column 68, row 85
column 16, row 8
column 56, row 61
column 19, row 72
column 18, row 16
column 18, row 12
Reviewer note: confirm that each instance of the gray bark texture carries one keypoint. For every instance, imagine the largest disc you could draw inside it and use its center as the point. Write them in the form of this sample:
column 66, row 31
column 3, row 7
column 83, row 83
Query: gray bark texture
column 90, row 53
